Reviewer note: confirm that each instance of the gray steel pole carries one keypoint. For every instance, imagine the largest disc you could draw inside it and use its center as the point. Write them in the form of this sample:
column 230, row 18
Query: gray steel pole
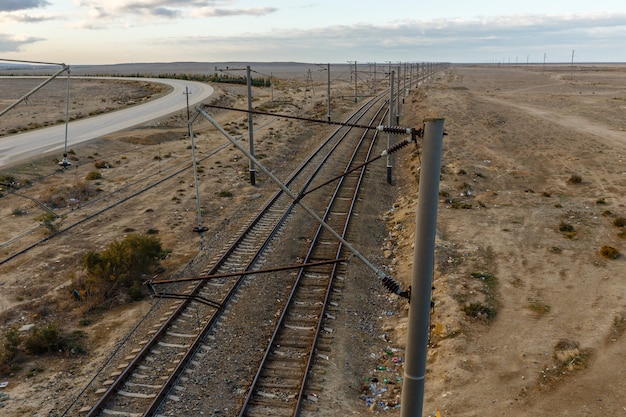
column 417, row 76
column 195, row 169
column 390, row 137
column 328, row 71
column 398, row 98
column 356, row 94
column 375, row 85
column 65, row 163
column 423, row 267
column 250, row 128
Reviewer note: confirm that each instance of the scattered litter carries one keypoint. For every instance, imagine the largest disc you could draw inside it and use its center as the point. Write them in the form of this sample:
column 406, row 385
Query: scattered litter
column 4, row 384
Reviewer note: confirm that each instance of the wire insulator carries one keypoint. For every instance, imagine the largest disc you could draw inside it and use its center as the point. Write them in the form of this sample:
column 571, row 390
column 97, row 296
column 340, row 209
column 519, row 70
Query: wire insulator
column 394, row 287
column 395, row 129
column 396, row 147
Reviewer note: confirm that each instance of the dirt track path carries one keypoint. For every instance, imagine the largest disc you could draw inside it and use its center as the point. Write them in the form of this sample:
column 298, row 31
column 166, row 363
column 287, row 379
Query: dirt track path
column 568, row 121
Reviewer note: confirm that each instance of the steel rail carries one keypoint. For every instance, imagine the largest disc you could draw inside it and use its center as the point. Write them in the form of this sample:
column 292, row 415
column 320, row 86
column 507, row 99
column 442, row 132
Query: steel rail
column 291, row 298
column 169, row 384
column 114, row 387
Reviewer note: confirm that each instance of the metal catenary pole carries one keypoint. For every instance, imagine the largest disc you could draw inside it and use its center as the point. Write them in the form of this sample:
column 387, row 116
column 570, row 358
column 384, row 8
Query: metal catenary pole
column 250, row 127
column 356, row 94
column 398, row 97
column 390, row 137
column 65, row 163
column 328, row 71
column 423, row 267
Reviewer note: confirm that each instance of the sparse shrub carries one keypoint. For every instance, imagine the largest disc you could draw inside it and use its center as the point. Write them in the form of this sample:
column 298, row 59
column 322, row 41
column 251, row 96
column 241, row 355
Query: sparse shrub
column 82, row 191
column 480, row 311
column 34, row 371
column 53, row 339
column 93, row 175
column 539, row 307
column 601, row 202
column 575, row 179
column 620, row 222
column 121, row 266
column 12, row 341
column 18, row 211
column 152, row 231
column 566, row 227
column 100, row 164
column 609, row 252
column 225, row 193
column 47, row 220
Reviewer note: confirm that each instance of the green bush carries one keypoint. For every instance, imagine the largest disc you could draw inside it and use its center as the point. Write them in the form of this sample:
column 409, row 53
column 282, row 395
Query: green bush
column 122, row 265
column 53, row 339
column 12, row 341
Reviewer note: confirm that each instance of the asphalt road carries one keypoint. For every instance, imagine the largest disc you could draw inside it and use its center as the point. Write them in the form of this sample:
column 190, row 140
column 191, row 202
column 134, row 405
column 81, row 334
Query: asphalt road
column 15, row 148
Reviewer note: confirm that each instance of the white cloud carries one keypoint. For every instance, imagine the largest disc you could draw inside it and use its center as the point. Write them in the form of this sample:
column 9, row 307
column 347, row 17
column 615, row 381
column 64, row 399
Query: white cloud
column 10, row 43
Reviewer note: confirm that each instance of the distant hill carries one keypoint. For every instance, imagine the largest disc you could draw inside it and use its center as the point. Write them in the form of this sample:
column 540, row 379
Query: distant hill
column 279, row 69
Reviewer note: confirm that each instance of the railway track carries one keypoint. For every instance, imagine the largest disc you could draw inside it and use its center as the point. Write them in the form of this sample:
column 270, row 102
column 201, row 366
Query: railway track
column 279, row 386
column 146, row 379
column 164, row 369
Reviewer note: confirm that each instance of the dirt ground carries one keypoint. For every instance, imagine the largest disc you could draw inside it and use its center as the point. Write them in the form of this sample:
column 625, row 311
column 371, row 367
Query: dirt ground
column 517, row 137
column 528, row 316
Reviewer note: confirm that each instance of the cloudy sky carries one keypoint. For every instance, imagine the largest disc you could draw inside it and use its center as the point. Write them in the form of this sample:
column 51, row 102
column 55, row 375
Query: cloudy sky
column 483, row 31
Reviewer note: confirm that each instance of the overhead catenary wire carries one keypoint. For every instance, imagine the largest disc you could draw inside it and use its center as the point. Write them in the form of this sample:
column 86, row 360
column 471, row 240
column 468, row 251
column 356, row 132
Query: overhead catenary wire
column 387, row 280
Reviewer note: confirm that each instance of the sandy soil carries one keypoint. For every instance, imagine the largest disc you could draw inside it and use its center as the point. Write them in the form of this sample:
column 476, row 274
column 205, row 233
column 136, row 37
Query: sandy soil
column 516, row 136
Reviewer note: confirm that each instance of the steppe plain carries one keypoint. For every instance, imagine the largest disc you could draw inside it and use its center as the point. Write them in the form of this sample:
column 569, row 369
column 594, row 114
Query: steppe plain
column 550, row 339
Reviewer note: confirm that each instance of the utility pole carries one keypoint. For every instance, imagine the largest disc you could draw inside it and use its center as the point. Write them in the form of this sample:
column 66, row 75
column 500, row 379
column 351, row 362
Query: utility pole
column 398, row 98
column 65, row 163
column 375, row 85
column 187, row 93
column 309, row 82
column 423, row 267
column 417, row 75
column 328, row 71
column 390, row 137
column 356, row 94
column 250, row 127
column 406, row 66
